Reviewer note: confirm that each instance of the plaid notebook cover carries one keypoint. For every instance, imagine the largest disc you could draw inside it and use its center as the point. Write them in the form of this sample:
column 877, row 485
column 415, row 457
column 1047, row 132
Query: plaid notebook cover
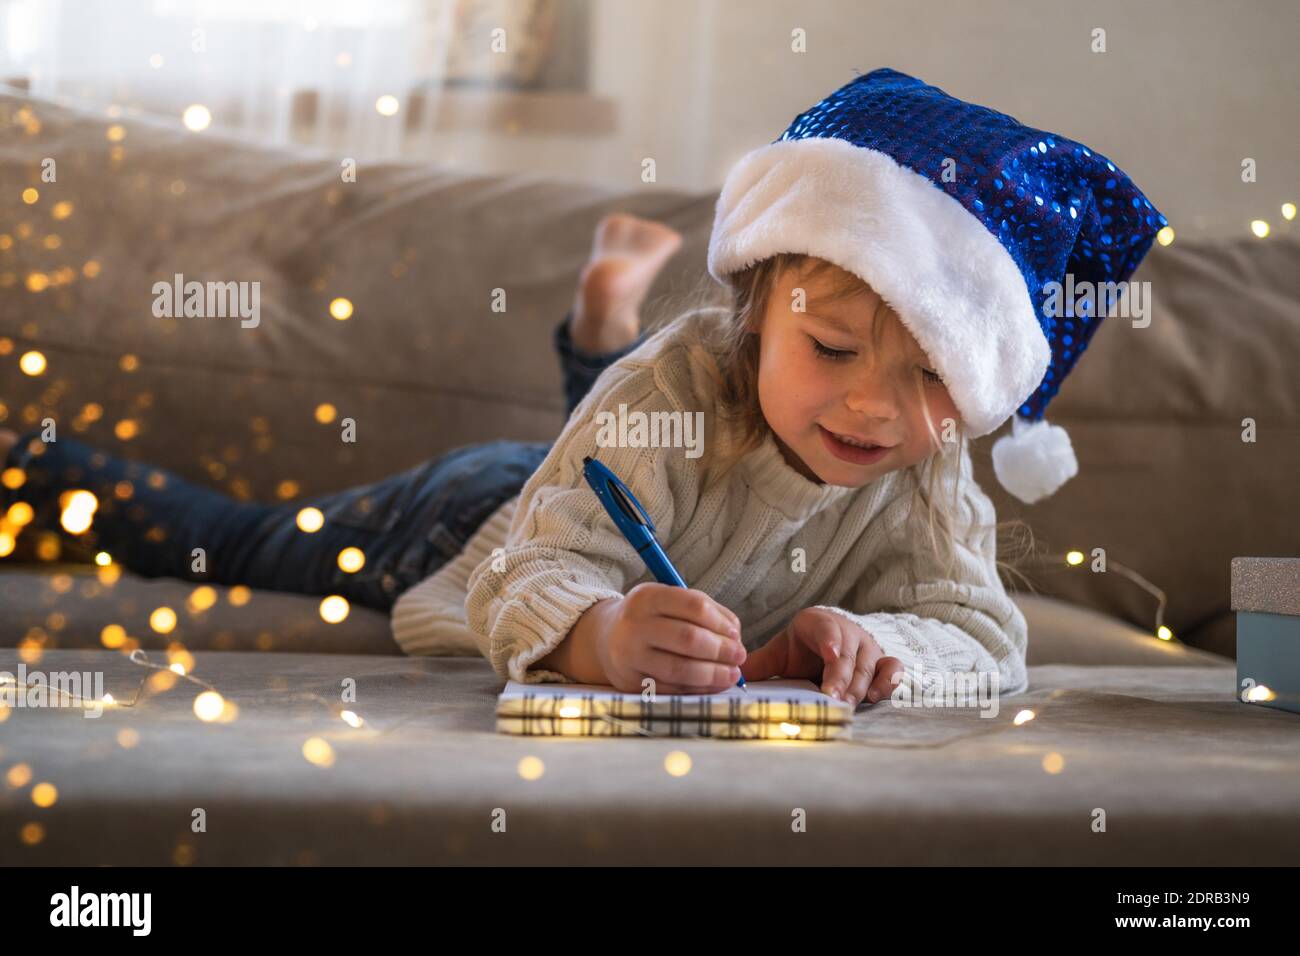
column 765, row 702
column 670, row 727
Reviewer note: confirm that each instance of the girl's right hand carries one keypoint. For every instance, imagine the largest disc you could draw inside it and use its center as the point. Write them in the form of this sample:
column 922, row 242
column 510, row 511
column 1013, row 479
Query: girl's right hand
column 681, row 638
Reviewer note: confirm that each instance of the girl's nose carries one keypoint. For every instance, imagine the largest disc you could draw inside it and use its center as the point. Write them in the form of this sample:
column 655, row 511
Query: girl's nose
column 874, row 399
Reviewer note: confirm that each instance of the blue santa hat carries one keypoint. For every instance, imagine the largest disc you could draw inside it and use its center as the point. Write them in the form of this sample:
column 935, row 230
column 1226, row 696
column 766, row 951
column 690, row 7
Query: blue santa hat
column 960, row 218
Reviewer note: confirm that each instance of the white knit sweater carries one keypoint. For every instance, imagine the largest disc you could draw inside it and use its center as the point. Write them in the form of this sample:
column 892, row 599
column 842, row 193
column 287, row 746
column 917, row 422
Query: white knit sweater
column 764, row 541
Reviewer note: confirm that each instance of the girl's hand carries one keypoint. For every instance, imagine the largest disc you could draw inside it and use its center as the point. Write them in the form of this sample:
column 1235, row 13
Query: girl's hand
column 823, row 646
column 684, row 640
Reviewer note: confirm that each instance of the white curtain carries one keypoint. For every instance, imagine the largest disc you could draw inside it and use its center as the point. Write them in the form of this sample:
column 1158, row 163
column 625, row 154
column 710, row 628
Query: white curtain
column 328, row 73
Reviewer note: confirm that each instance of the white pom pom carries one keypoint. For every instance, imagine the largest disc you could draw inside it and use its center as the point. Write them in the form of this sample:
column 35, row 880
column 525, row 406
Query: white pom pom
column 1034, row 460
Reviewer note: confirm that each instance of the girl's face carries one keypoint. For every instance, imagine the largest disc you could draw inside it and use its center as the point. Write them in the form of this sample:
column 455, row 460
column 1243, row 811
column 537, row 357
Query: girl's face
column 822, row 374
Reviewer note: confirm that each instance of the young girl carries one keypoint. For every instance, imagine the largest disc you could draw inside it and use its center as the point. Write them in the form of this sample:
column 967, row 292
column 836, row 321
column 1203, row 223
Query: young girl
column 889, row 259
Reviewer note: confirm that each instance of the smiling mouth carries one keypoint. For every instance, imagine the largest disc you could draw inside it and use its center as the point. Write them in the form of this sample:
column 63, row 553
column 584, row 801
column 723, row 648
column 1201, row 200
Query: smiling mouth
column 849, row 450
column 855, row 442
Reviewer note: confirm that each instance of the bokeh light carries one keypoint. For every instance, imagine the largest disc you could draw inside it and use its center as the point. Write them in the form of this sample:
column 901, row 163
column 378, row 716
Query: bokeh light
column 310, row 520
column 196, row 118
column 334, row 609
column 208, row 706
column 32, row 363
column 78, row 510
column 318, row 751
column 163, row 620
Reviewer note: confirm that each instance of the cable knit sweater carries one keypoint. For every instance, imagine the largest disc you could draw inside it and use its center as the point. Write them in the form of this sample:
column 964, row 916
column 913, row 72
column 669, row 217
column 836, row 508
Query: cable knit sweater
column 764, row 541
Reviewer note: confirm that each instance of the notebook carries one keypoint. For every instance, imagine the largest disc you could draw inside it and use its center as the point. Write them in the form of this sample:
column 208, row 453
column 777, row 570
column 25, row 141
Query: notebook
column 782, row 709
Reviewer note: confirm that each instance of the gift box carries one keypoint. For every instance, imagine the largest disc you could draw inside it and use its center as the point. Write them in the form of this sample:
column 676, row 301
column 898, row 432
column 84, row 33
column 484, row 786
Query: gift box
column 1266, row 597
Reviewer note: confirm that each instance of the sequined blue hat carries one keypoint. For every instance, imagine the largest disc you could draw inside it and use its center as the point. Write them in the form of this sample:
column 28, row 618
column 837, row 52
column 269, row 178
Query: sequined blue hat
column 960, row 218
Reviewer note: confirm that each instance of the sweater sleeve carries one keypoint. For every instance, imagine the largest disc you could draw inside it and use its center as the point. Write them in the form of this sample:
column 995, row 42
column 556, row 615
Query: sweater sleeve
column 939, row 623
column 563, row 553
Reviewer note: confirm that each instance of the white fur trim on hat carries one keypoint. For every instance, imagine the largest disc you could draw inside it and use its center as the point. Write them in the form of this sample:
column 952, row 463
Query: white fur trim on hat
column 953, row 284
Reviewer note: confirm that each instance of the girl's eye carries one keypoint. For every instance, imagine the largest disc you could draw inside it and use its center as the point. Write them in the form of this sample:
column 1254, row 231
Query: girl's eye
column 932, row 377
column 830, row 353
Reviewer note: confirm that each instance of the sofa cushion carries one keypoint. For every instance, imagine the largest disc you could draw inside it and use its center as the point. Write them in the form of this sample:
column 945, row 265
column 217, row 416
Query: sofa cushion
column 72, row 597
column 1187, row 776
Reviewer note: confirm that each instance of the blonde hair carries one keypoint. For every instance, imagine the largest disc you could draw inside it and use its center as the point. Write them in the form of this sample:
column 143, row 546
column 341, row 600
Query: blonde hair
column 727, row 348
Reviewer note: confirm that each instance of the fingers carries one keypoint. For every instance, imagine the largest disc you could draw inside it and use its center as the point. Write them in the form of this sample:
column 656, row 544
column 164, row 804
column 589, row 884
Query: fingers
column 849, row 661
column 889, row 671
column 767, row 661
column 863, row 673
column 696, row 607
column 704, row 629
column 697, row 677
column 694, row 642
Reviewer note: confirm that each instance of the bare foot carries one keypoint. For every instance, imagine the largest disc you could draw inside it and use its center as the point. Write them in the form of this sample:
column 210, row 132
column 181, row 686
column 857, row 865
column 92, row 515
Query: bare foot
column 7, row 440
column 627, row 254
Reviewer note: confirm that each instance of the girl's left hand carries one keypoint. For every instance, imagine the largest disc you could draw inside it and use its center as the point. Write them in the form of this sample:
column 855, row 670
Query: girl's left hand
column 820, row 645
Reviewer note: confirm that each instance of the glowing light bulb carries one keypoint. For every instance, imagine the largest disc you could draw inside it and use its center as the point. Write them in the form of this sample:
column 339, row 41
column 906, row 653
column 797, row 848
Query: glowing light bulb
column 531, row 768
column 112, row 636
column 1164, row 633
column 32, row 363
column 163, row 620
column 1074, row 558
column 196, row 118
column 1259, row 227
column 20, row 514
column 677, row 763
column 103, row 559
column 352, row 560
column 1288, row 211
column 1023, row 717
column 78, row 510
column 202, row 598
column 789, row 729
column 387, row 105
column 334, row 609
column 351, row 719
column 317, row 750
column 310, row 520
column 341, row 308
column 208, row 706
column 45, row 794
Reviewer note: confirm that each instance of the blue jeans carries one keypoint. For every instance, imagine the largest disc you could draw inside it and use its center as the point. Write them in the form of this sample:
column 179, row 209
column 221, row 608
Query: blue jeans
column 407, row 525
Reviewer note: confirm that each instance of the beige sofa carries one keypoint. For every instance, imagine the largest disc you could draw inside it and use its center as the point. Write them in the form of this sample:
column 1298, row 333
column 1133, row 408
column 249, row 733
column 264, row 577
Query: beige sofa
column 1148, row 729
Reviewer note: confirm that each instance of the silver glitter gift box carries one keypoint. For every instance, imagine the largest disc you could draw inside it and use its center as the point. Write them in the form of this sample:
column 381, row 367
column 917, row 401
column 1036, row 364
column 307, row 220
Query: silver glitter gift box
column 1266, row 597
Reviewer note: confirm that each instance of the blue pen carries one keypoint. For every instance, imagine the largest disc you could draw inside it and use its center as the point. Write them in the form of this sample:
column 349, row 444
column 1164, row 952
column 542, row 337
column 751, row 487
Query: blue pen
column 631, row 519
